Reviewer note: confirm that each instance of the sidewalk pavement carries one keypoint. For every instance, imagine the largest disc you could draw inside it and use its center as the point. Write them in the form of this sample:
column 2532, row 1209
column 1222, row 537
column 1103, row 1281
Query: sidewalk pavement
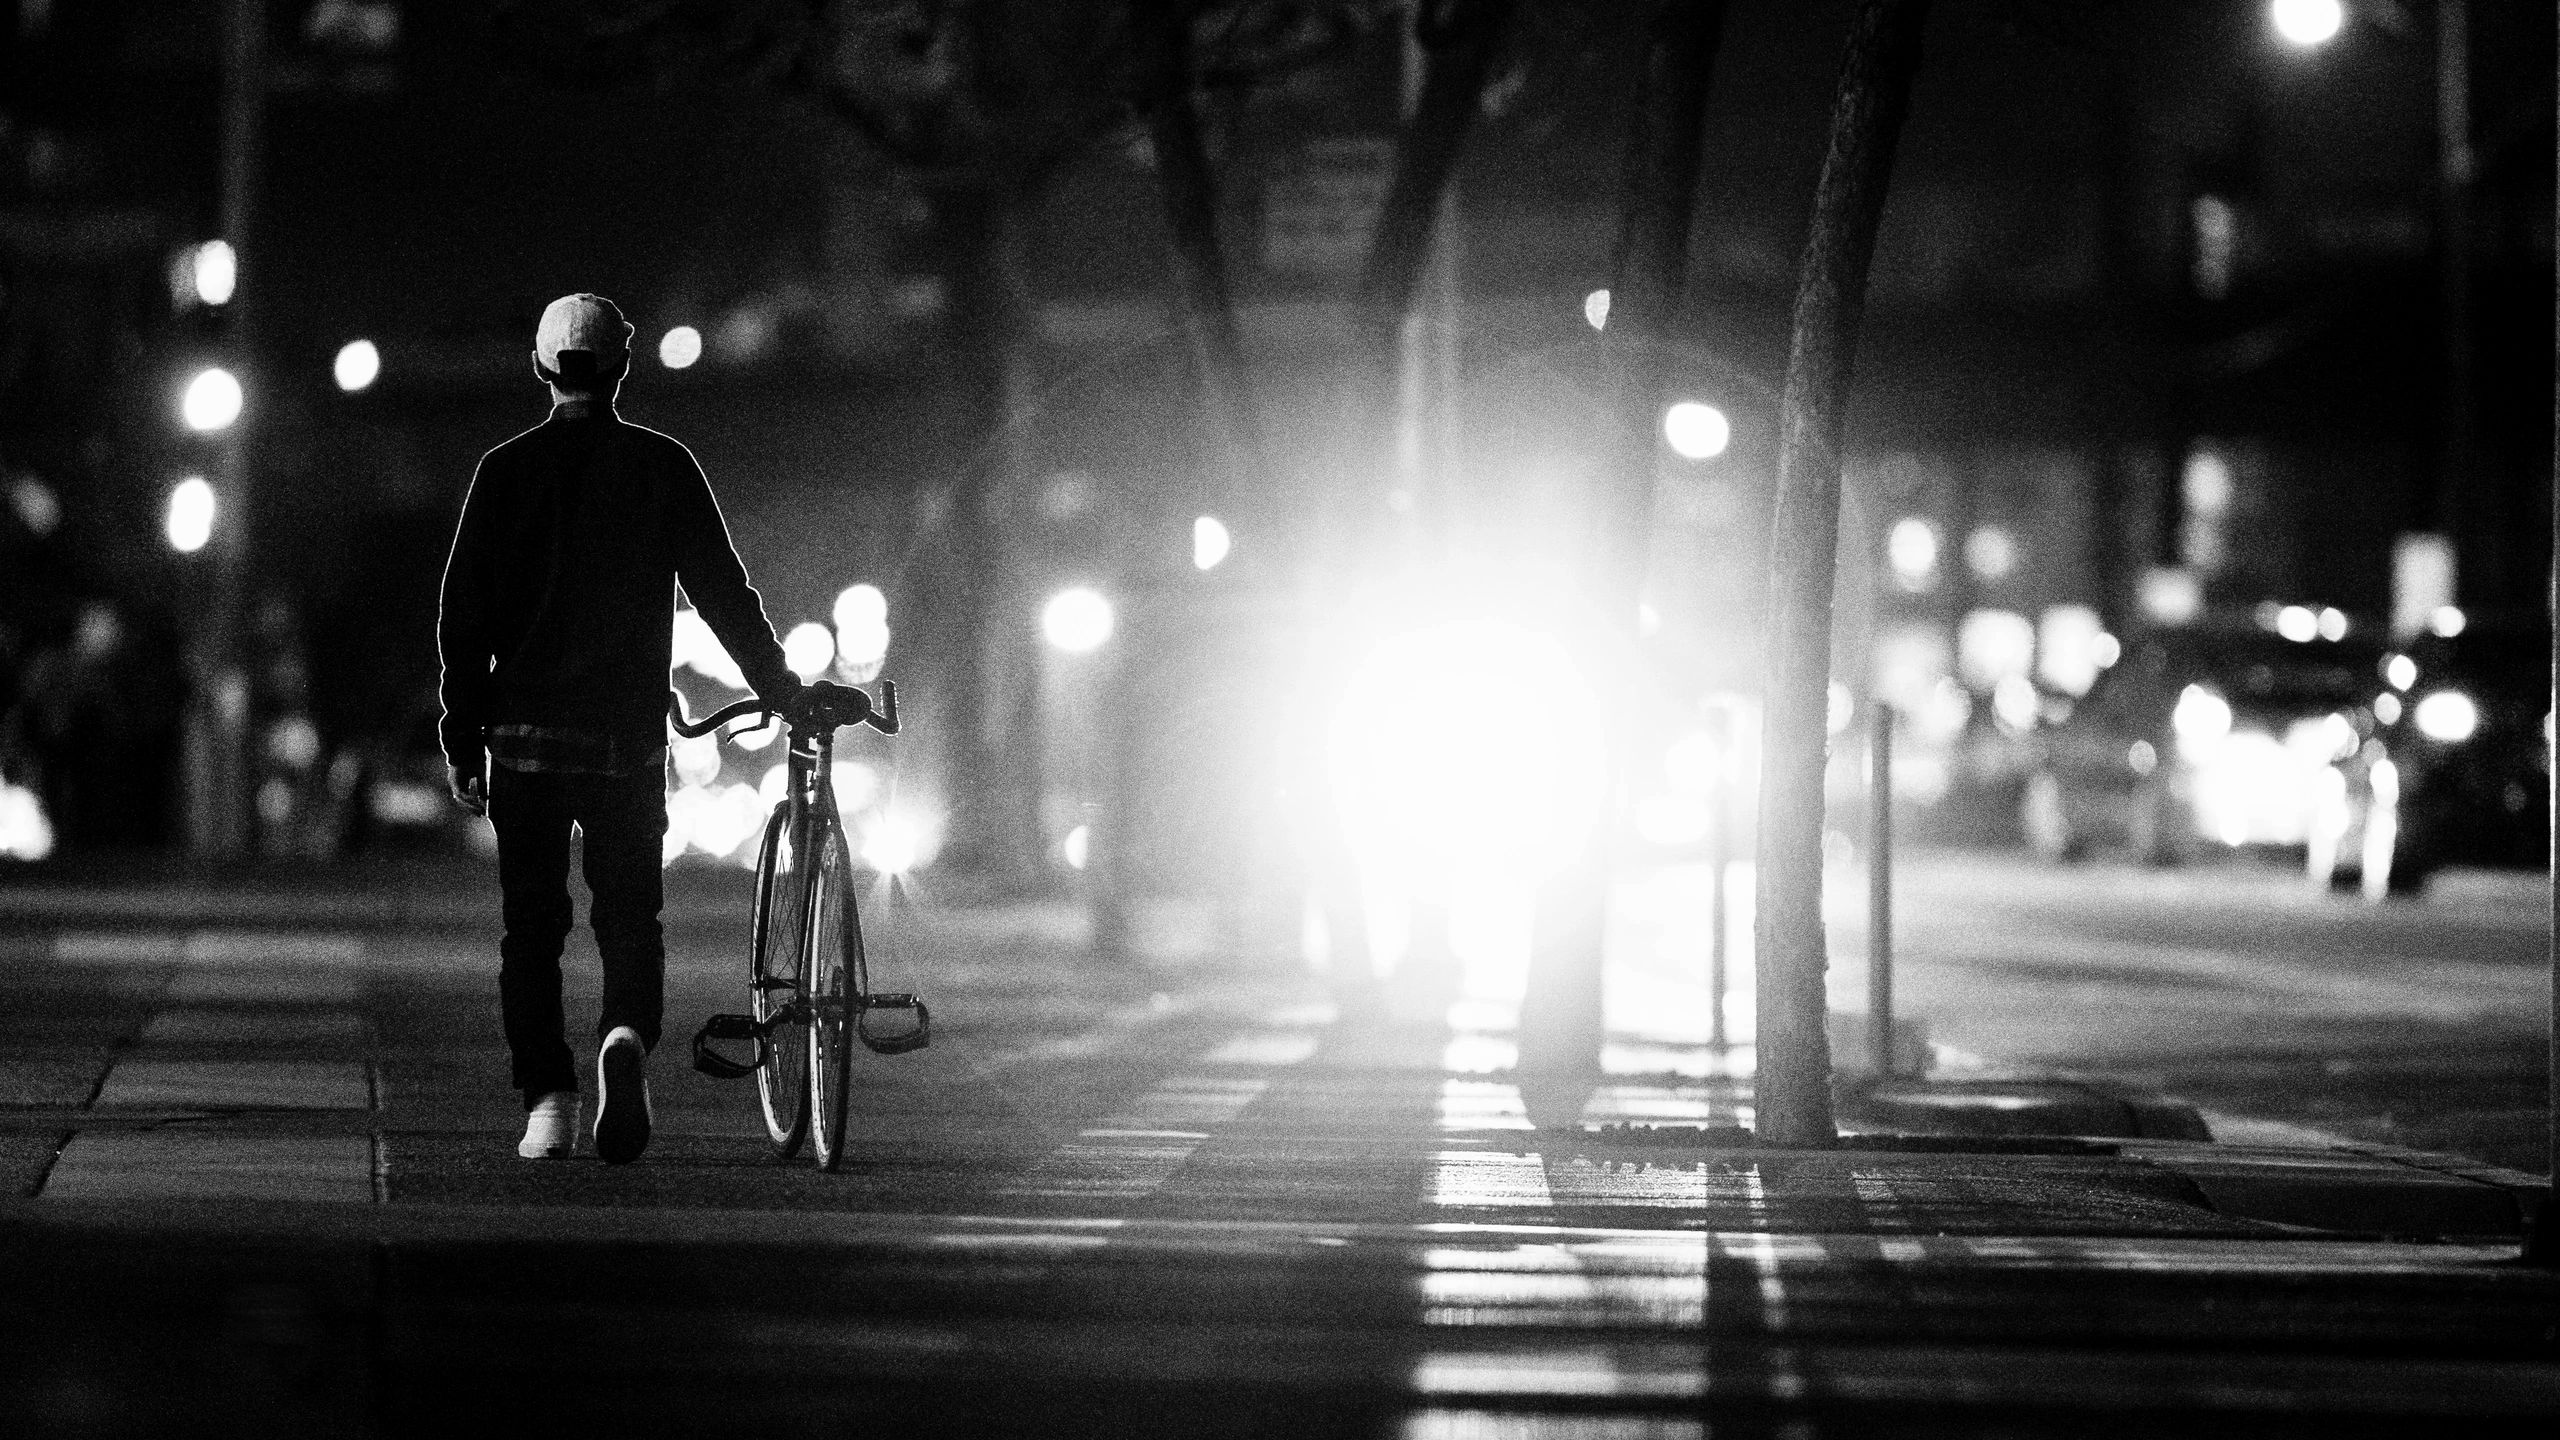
column 1224, row 1197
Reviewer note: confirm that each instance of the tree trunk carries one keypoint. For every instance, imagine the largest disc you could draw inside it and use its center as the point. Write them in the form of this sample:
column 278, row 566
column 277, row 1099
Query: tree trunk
column 1190, row 194
column 1561, row 1023
column 1793, row 1090
column 956, row 583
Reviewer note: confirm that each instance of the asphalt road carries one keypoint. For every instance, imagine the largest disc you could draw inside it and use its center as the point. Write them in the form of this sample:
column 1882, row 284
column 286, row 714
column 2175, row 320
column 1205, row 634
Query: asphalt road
column 2419, row 1021
column 1179, row 1196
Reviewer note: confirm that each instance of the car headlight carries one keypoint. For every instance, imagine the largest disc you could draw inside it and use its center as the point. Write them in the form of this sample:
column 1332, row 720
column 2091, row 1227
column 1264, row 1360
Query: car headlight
column 2447, row 715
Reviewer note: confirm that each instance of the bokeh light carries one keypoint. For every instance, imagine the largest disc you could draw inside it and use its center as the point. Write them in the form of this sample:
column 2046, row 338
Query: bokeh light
column 190, row 519
column 1696, row 431
column 2307, row 22
column 1209, row 542
column 1077, row 620
column 212, row 400
column 358, row 363
column 680, row 347
column 809, row 649
column 216, row 271
column 1912, row 550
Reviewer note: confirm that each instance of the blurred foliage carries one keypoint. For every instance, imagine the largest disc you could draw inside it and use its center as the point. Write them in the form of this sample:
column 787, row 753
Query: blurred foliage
column 963, row 91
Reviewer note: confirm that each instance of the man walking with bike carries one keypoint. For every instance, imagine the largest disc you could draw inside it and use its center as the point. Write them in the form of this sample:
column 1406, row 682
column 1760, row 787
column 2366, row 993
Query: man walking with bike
column 555, row 634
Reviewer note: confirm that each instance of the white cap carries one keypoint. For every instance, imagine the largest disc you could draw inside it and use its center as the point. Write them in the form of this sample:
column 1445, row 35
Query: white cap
column 581, row 322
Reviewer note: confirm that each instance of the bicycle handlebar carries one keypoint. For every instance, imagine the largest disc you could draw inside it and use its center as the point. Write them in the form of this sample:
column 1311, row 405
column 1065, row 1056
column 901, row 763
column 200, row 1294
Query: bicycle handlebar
column 693, row 729
column 823, row 704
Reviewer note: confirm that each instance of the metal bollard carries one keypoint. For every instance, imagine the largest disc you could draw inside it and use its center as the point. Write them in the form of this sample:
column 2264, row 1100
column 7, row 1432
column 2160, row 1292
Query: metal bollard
column 1722, row 729
column 1880, row 889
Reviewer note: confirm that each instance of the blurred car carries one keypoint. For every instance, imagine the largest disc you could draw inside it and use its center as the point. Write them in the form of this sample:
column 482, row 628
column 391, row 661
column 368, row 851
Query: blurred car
column 2465, row 728
column 2215, row 738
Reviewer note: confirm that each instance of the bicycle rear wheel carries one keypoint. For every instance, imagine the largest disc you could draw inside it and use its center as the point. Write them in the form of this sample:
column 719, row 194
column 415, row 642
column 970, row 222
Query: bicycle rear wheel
column 776, row 972
column 836, row 979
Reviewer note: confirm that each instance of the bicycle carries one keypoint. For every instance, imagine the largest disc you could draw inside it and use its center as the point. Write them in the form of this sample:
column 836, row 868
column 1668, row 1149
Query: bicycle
column 808, row 980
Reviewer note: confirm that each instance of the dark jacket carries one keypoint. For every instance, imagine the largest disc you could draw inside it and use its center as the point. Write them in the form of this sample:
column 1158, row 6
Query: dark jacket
column 559, row 597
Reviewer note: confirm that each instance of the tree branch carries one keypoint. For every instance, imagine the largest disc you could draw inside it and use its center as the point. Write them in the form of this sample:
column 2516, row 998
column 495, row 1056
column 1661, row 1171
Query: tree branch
column 1461, row 46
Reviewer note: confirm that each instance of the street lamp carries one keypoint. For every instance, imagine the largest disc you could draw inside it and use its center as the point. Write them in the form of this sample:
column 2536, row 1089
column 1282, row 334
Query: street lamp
column 1696, row 431
column 1076, row 620
column 2307, row 22
column 212, row 400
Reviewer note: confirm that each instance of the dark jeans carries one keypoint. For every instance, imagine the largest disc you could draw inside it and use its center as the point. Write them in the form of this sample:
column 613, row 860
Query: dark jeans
column 624, row 818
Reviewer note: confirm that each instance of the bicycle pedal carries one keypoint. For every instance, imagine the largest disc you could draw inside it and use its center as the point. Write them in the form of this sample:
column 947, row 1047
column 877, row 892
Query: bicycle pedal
column 915, row 1039
column 711, row 1062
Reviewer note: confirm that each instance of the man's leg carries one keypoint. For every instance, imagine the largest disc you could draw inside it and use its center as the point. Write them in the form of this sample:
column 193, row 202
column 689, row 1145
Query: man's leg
column 625, row 819
column 531, row 817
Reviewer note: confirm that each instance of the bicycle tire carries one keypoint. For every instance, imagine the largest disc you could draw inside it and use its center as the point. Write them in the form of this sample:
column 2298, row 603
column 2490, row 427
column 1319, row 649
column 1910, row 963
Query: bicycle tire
column 836, row 976
column 774, row 980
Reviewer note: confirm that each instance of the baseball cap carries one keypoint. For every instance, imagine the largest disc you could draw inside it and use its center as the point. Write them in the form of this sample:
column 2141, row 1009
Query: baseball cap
column 582, row 322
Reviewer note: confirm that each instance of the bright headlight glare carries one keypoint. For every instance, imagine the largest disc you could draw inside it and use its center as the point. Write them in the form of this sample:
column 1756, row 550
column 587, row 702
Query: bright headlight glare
column 1434, row 783
column 2449, row 716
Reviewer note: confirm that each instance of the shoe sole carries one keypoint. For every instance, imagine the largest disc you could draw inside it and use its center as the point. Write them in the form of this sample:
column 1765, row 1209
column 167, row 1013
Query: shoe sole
column 622, row 1124
column 542, row 1152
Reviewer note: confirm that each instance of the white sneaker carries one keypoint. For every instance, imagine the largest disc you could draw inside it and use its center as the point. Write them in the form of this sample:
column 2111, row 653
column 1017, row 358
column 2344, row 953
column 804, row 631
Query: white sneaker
column 622, row 1111
column 550, row 1127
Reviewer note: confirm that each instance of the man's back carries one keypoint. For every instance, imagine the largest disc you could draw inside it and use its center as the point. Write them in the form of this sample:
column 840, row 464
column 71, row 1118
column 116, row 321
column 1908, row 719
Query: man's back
column 561, row 582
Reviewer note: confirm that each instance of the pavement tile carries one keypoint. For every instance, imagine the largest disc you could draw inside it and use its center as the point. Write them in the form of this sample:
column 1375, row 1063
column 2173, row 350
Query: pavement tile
column 24, row 1157
column 214, row 1025
column 58, row 1080
column 187, row 1164
column 264, row 986
column 141, row 1082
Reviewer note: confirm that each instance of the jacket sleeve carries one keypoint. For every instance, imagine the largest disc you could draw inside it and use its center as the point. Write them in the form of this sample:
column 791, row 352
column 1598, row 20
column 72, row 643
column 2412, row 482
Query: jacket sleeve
column 707, row 566
column 463, row 640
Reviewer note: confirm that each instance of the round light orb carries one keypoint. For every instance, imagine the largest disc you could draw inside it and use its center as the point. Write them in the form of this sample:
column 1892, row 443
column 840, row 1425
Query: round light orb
column 1595, row 309
column 1991, row 553
column 2307, row 22
column 1912, row 549
column 190, row 519
column 358, row 364
column 809, row 649
column 861, row 605
column 212, row 400
column 1696, row 431
column 216, row 270
column 1209, row 542
column 2298, row 623
column 2449, row 716
column 1076, row 620
column 680, row 347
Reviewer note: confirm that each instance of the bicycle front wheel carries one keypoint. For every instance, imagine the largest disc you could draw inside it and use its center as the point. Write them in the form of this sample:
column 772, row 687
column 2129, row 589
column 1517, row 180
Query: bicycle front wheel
column 777, row 971
column 835, row 980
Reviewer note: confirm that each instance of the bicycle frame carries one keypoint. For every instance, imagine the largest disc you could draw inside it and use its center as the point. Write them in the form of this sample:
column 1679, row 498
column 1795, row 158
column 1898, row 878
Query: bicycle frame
column 809, row 819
